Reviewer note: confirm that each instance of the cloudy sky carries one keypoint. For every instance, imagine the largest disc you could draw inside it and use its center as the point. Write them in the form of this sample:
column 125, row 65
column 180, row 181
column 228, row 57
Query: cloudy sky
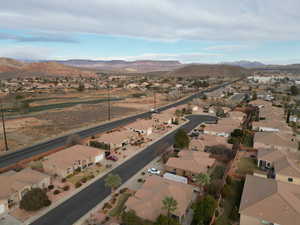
column 189, row 31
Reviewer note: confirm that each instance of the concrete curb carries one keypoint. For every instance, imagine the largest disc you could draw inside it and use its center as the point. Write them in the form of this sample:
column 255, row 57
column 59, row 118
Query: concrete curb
column 54, row 205
column 73, row 131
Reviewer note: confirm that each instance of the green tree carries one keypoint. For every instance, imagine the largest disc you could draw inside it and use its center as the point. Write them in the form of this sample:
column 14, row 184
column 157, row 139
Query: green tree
column 130, row 218
column 294, row 90
column 113, row 181
column 34, row 200
column 204, row 210
column 236, row 136
column 164, row 220
column 202, row 179
column 170, row 205
column 81, row 87
column 220, row 112
column 254, row 95
column 182, row 139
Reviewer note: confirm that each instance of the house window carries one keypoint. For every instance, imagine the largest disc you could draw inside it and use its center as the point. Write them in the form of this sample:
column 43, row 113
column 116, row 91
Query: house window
column 290, row 179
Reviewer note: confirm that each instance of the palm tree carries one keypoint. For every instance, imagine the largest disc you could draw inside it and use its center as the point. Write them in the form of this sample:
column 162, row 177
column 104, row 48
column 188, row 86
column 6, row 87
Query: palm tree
column 202, row 179
column 170, row 205
column 113, row 181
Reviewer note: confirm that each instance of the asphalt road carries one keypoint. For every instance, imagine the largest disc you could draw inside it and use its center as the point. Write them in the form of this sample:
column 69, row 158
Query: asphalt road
column 238, row 97
column 71, row 210
column 14, row 157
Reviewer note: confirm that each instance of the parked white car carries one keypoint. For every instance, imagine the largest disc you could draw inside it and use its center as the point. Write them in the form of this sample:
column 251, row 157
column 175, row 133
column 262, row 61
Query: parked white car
column 154, row 171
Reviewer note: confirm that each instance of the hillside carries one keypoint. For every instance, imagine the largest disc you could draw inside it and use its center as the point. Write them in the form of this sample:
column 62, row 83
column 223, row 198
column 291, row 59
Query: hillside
column 124, row 66
column 199, row 70
column 246, row 64
column 10, row 68
column 9, row 65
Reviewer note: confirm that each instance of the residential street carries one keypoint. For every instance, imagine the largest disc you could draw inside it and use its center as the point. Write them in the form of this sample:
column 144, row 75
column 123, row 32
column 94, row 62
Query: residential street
column 71, row 210
column 28, row 152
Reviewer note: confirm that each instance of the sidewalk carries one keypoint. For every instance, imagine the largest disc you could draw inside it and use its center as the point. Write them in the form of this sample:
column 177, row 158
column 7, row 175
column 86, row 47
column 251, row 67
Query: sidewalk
column 118, row 163
column 132, row 183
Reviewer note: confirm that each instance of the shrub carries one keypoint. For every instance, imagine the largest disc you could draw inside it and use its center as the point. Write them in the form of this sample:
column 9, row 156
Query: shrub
column 113, row 201
column 51, row 186
column 228, row 180
column 140, row 180
column 47, row 203
column 226, row 191
column 107, row 206
column 123, row 190
column 66, row 188
column 78, row 170
column 215, row 187
column 56, row 192
column 77, row 185
column 92, row 176
column 101, row 145
column 63, row 180
column 83, row 180
column 34, row 199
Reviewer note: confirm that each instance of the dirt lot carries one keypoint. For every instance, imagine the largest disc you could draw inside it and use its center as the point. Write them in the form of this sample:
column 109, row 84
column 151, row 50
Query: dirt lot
column 27, row 129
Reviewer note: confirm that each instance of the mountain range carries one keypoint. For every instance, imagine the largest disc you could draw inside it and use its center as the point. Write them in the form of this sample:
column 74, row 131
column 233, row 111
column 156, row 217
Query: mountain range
column 89, row 68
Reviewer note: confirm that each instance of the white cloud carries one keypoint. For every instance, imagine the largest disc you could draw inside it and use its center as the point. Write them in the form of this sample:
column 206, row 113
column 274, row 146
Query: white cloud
column 26, row 52
column 227, row 47
column 157, row 19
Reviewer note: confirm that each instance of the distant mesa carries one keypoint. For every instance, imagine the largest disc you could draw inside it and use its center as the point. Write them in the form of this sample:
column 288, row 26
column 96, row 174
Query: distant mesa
column 204, row 70
column 246, row 64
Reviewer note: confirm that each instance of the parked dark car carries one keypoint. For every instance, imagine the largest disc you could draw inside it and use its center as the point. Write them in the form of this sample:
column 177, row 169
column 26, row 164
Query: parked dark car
column 112, row 157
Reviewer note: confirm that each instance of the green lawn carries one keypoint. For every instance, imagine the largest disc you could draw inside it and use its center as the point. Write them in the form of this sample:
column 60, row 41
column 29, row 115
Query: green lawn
column 246, row 166
column 120, row 205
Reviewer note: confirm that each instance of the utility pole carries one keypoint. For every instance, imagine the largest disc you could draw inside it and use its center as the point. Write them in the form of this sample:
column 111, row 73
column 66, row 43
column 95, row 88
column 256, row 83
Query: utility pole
column 4, row 130
column 108, row 102
column 154, row 99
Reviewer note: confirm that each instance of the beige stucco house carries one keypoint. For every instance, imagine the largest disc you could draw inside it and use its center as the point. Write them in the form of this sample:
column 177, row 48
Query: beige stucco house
column 267, row 201
column 65, row 162
column 13, row 186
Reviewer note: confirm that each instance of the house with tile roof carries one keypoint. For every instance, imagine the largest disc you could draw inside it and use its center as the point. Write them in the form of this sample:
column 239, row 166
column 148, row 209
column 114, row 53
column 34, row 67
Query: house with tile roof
column 14, row 186
column 267, row 157
column 267, row 201
column 190, row 163
column 287, row 168
column 276, row 140
column 116, row 139
column 67, row 161
column 147, row 202
column 141, row 126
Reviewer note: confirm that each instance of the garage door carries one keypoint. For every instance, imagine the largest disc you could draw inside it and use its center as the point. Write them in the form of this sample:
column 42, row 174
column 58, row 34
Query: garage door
column 2, row 208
